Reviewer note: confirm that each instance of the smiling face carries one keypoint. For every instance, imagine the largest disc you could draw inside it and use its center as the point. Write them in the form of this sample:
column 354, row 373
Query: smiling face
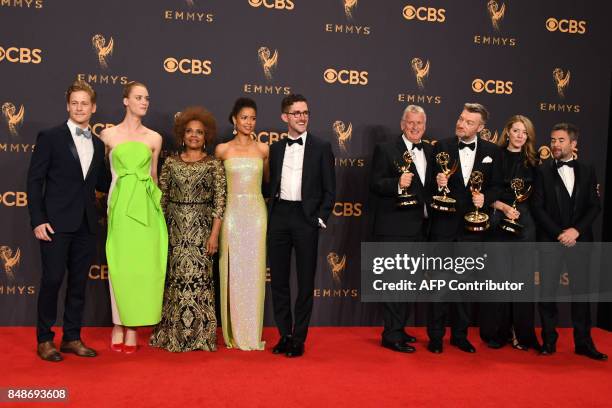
column 245, row 121
column 468, row 125
column 137, row 101
column 194, row 135
column 413, row 126
column 296, row 116
column 561, row 145
column 80, row 108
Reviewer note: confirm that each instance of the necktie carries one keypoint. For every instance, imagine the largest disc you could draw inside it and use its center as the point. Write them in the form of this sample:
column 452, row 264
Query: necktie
column 86, row 133
column 569, row 163
column 471, row 146
column 417, row 146
column 292, row 141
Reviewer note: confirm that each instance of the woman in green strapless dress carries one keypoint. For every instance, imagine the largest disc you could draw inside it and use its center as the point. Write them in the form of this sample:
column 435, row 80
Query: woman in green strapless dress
column 242, row 262
column 137, row 239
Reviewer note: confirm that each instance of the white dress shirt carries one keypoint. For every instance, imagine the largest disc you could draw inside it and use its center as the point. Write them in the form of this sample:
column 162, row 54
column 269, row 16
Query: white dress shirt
column 291, row 175
column 84, row 147
column 568, row 177
column 418, row 158
column 466, row 157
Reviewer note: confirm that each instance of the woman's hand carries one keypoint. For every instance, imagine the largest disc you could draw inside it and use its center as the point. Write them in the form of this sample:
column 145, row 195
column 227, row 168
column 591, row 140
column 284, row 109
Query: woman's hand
column 212, row 245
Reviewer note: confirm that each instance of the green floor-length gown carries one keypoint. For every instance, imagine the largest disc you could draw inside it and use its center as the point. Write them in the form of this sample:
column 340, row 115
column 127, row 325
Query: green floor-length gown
column 137, row 240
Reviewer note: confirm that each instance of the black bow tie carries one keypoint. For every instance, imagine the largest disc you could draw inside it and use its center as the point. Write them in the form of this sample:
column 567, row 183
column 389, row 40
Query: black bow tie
column 569, row 163
column 471, row 146
column 299, row 141
column 417, row 146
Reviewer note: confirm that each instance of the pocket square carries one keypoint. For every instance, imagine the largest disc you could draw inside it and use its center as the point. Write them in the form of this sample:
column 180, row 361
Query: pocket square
column 487, row 159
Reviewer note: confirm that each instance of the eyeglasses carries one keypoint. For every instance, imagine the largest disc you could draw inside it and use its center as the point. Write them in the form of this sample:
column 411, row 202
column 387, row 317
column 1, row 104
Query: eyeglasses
column 297, row 114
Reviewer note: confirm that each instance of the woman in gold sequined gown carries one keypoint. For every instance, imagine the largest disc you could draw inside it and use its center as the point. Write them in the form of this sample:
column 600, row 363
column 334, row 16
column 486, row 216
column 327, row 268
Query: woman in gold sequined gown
column 193, row 187
column 242, row 263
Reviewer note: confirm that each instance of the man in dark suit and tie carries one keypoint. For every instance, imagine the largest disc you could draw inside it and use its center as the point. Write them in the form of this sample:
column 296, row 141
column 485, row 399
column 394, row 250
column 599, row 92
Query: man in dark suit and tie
column 565, row 205
column 471, row 153
column 395, row 223
column 302, row 195
column 65, row 170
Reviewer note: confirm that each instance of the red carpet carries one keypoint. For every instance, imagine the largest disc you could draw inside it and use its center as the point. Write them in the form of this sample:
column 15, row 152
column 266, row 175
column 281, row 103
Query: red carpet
column 341, row 367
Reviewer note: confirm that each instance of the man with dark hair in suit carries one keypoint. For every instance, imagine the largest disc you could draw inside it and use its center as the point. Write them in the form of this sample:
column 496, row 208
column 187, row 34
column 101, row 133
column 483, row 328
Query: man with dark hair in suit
column 471, row 153
column 65, row 170
column 302, row 195
column 393, row 222
column 565, row 205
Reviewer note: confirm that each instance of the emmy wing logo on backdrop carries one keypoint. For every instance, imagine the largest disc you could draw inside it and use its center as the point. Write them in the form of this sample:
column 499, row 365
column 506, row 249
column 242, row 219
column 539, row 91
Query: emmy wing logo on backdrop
column 102, row 49
column 343, row 133
column 349, row 7
column 268, row 61
column 561, row 81
column 496, row 12
column 13, row 118
column 10, row 261
column 487, row 135
column 420, row 72
column 336, row 265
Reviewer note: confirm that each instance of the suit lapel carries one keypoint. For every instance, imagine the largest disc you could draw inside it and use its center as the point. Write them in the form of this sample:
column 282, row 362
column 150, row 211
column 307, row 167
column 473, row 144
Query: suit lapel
column 577, row 181
column 278, row 164
column 71, row 145
column 96, row 146
column 427, row 150
column 456, row 158
column 558, row 184
column 480, row 154
column 306, row 161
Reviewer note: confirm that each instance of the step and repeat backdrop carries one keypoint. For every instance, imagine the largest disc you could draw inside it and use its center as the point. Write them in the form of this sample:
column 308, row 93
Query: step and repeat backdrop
column 359, row 63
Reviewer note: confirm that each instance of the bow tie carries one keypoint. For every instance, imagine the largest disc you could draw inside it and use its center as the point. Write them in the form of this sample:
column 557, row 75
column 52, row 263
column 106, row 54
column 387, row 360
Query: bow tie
column 417, row 146
column 86, row 133
column 569, row 163
column 299, row 141
column 471, row 146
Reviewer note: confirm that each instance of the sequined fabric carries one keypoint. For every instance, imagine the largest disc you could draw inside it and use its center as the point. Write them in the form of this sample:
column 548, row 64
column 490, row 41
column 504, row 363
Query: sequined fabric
column 193, row 194
column 242, row 264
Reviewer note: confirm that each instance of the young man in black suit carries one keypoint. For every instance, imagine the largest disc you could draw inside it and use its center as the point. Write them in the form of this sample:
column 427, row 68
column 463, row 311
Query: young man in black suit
column 393, row 223
column 65, row 170
column 471, row 153
column 302, row 195
column 565, row 204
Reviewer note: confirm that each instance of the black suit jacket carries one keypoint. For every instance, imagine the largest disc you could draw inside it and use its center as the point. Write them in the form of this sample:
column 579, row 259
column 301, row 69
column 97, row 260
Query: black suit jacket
column 57, row 192
column 545, row 201
column 387, row 219
column 451, row 226
column 318, row 177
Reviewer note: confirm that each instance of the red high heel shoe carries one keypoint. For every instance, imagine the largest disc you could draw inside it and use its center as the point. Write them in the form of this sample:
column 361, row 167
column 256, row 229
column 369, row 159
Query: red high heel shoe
column 118, row 347
column 129, row 349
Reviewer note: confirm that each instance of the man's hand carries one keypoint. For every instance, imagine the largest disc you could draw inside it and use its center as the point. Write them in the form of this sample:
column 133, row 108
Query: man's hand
column 442, row 180
column 478, row 199
column 568, row 237
column 42, row 232
column 405, row 180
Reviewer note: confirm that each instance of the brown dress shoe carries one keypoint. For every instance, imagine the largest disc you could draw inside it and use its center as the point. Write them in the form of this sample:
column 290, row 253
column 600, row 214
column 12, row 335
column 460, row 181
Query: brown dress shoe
column 77, row 347
column 47, row 351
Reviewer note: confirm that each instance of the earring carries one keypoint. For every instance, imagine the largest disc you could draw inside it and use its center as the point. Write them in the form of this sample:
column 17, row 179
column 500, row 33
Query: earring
column 234, row 132
column 183, row 145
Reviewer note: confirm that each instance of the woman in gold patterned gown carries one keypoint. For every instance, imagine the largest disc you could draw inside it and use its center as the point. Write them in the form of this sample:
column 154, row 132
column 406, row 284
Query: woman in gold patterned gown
column 242, row 263
column 193, row 186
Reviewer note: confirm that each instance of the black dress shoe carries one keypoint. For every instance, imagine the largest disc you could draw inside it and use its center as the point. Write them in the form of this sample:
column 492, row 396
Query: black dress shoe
column 463, row 345
column 282, row 345
column 590, row 351
column 548, row 349
column 77, row 347
column 295, row 349
column 435, row 346
column 408, row 338
column 399, row 346
column 494, row 344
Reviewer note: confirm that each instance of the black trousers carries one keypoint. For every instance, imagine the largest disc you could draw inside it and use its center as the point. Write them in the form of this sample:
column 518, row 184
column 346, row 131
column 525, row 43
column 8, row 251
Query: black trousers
column 289, row 230
column 577, row 261
column 73, row 252
column 395, row 314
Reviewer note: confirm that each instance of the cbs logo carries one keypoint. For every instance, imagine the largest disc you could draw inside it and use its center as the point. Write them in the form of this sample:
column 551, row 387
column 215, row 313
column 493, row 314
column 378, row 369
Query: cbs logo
column 345, row 76
column 14, row 199
column 273, row 4
column 188, row 66
column 344, row 209
column 21, row 55
column 492, row 86
column 98, row 272
column 566, row 26
column 97, row 128
column 270, row 137
column 430, row 14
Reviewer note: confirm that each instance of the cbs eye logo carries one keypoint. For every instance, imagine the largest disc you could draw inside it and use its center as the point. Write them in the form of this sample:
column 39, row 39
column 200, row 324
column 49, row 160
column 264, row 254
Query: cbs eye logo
column 273, row 4
column 566, row 25
column 14, row 199
column 345, row 76
column 21, row 55
column 188, row 66
column 429, row 14
column 492, row 86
